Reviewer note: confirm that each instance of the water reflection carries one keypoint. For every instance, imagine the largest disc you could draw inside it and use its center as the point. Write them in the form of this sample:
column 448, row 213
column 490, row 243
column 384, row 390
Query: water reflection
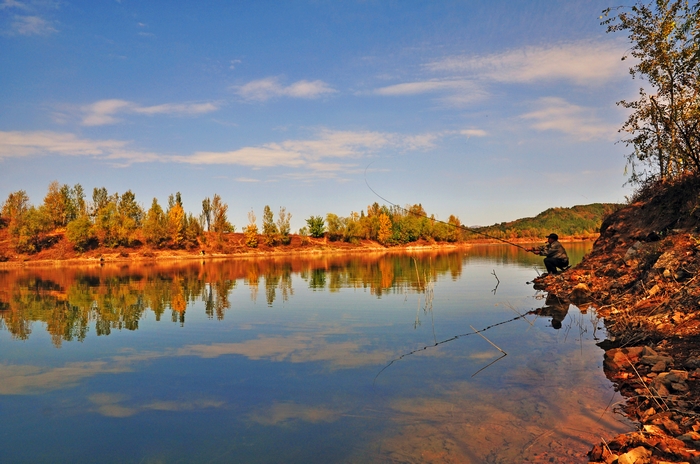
column 68, row 300
column 293, row 377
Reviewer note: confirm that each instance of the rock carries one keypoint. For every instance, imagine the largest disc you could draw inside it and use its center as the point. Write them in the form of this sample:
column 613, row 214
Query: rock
column 616, row 359
column 690, row 436
column 692, row 363
column 679, row 387
column 677, row 376
column 580, row 294
column 633, row 251
column 660, row 387
column 659, row 367
column 654, row 290
column 652, row 360
column 682, row 274
column 638, row 455
column 648, row 351
column 667, row 260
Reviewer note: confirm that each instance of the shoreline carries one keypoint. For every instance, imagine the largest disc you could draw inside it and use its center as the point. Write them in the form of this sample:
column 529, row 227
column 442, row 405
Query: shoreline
column 319, row 247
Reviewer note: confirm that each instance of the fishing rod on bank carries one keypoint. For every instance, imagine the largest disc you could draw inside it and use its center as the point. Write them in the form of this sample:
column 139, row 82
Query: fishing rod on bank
column 462, row 227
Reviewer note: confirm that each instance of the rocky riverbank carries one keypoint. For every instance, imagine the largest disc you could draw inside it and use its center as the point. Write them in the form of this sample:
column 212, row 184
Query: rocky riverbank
column 642, row 278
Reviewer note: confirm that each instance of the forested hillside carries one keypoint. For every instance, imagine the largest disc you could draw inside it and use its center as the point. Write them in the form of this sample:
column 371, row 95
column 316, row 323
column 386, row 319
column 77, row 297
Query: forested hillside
column 577, row 221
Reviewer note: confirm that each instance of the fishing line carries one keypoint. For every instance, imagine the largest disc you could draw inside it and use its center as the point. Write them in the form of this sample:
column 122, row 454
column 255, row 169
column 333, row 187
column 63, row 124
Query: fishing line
column 453, row 338
column 468, row 229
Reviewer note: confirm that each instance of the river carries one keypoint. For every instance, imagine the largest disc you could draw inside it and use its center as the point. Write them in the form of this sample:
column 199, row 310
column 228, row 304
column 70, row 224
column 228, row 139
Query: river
column 413, row 357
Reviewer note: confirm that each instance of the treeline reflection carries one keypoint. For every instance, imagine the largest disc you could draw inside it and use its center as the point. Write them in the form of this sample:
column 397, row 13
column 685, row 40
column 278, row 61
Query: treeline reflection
column 66, row 301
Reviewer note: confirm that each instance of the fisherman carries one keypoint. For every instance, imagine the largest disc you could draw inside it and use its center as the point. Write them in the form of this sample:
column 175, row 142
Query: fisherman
column 554, row 253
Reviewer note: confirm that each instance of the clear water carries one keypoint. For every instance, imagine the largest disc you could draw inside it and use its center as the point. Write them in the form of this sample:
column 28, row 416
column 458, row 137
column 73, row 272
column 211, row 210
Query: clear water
column 364, row 358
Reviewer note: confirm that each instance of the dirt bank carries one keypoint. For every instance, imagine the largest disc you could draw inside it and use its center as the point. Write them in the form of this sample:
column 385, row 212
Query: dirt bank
column 58, row 250
column 642, row 277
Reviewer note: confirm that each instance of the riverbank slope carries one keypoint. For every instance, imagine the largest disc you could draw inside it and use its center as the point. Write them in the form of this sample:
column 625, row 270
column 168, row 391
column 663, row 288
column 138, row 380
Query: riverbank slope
column 642, row 278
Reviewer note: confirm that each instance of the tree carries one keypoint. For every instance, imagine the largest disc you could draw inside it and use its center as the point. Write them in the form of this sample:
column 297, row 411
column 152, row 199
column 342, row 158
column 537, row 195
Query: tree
column 219, row 212
column 56, row 205
column 385, row 231
column 335, row 226
column 206, row 212
column 251, row 231
column 456, row 226
column 176, row 224
column 269, row 227
column 316, row 226
column 100, row 197
column 80, row 232
column 664, row 124
column 30, row 230
column 283, row 225
column 14, row 209
column 108, row 224
column 155, row 225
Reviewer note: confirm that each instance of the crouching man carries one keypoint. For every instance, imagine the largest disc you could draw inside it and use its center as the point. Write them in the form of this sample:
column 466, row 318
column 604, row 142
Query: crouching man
column 554, row 253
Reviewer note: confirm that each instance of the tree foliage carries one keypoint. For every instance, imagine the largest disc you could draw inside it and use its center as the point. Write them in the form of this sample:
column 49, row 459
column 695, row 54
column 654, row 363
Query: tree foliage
column 317, row 226
column 269, row 227
column 219, row 212
column 283, row 225
column 251, row 231
column 664, row 124
column 155, row 225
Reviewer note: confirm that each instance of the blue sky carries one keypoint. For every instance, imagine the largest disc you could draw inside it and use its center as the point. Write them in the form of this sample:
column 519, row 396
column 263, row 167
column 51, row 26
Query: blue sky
column 489, row 110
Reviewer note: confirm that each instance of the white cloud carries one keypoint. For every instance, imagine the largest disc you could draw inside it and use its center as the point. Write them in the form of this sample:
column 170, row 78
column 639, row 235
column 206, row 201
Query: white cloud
column 19, row 144
column 559, row 115
column 473, row 132
column 103, row 112
column 31, row 25
column 455, row 92
column 15, row 144
column 13, row 4
column 270, row 87
column 584, row 63
column 256, row 157
column 414, row 88
column 310, row 154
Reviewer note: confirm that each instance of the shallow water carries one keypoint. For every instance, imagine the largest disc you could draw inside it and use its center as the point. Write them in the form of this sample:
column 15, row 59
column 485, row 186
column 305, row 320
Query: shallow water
column 333, row 359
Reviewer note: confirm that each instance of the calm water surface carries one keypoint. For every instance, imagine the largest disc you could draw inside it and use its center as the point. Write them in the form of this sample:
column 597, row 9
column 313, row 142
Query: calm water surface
column 370, row 358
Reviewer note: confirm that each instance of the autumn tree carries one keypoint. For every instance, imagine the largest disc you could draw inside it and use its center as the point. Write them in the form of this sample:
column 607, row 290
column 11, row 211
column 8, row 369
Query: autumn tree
column 155, row 225
column 100, row 198
column 385, row 230
column 176, row 220
column 219, row 212
column 335, row 227
column 251, row 231
column 130, row 216
column 80, row 232
column 317, row 226
column 14, row 209
column 664, row 123
column 56, row 205
column 206, row 213
column 30, row 230
column 107, row 222
column 455, row 234
column 283, row 225
column 269, row 227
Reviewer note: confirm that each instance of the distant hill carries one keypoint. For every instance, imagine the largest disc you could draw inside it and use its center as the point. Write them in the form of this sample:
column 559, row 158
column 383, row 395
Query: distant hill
column 577, row 221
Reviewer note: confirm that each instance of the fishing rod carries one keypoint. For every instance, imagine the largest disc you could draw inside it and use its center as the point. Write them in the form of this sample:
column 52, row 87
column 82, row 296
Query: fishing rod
column 453, row 338
column 468, row 229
